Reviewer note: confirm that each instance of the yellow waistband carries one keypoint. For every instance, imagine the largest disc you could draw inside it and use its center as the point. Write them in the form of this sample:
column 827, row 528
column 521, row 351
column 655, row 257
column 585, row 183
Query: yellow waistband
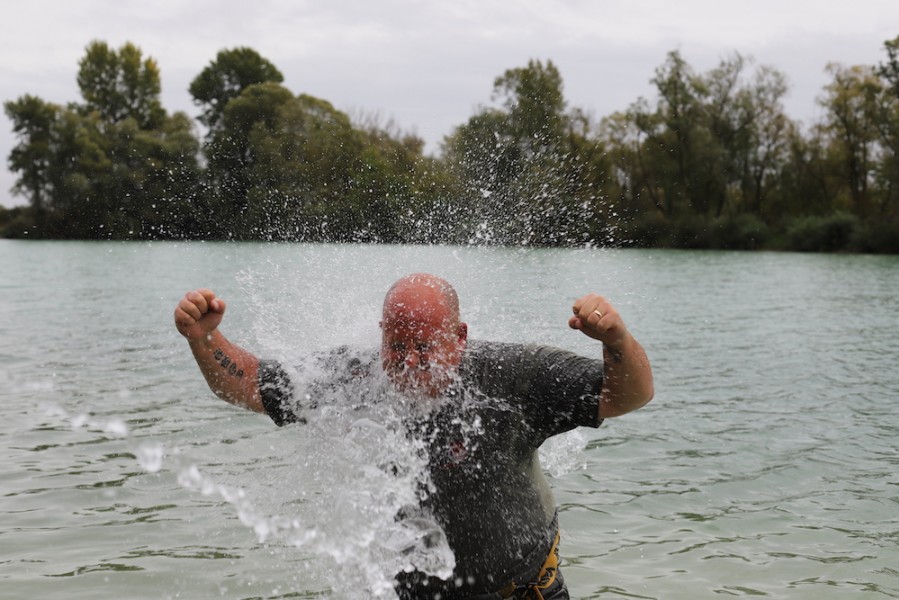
column 545, row 578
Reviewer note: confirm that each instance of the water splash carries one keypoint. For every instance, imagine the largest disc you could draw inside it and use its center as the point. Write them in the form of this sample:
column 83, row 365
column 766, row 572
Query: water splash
column 339, row 502
column 150, row 456
column 337, row 489
column 563, row 454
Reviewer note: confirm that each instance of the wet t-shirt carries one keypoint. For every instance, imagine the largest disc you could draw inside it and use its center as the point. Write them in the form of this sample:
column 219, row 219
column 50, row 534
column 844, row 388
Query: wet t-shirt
column 488, row 490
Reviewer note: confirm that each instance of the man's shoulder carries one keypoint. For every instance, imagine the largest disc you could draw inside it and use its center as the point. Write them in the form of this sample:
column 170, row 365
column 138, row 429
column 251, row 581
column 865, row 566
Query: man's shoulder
column 495, row 365
column 483, row 350
column 511, row 365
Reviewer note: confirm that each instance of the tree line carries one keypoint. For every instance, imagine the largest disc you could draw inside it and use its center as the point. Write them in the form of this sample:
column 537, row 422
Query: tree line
column 712, row 161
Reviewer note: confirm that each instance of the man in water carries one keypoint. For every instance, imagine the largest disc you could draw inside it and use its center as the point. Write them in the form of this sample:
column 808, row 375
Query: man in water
column 498, row 403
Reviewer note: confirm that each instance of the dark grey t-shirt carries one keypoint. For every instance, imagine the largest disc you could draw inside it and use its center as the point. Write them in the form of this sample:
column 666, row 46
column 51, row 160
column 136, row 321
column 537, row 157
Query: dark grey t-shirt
column 490, row 494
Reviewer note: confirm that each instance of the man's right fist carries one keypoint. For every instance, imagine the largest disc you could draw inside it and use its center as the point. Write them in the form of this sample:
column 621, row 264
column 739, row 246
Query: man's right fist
column 198, row 314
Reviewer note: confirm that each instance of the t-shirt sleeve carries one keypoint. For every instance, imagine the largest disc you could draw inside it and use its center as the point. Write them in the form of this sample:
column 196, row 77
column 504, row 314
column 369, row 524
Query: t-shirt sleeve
column 555, row 389
column 277, row 393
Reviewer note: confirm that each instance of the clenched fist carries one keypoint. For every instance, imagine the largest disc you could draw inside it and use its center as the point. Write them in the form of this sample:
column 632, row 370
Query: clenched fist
column 198, row 314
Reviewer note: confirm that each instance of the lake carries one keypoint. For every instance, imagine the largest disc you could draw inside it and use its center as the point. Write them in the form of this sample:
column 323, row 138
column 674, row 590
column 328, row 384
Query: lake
column 767, row 464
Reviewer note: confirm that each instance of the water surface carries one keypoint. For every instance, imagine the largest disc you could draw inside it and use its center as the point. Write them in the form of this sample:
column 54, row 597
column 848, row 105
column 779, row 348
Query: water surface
column 766, row 465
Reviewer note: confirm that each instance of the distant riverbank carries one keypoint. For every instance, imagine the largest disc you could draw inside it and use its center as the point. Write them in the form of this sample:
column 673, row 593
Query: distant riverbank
column 839, row 232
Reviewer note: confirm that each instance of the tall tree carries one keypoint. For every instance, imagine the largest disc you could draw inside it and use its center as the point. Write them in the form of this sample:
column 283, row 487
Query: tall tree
column 810, row 181
column 889, row 70
column 756, row 139
column 121, row 84
column 674, row 137
column 115, row 166
column 520, row 165
column 232, row 158
column 888, row 170
column 226, row 77
column 628, row 183
column 153, row 180
column 241, row 76
column 534, row 103
column 33, row 125
column 315, row 176
column 729, row 115
column 851, row 102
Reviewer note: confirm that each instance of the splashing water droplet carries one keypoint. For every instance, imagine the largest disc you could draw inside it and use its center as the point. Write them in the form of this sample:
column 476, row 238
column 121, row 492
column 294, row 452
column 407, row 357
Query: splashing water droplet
column 149, row 455
column 116, row 427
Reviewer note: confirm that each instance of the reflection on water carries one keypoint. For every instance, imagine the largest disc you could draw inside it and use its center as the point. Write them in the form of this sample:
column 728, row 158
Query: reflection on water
column 766, row 465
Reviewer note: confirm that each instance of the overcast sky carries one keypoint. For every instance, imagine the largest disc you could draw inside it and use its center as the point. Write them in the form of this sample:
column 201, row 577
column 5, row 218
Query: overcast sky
column 428, row 65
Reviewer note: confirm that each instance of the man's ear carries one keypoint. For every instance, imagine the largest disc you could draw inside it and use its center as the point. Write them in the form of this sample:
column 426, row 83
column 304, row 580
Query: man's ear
column 462, row 332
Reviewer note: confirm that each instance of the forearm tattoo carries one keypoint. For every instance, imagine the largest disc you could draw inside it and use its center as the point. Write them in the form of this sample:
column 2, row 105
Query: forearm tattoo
column 229, row 365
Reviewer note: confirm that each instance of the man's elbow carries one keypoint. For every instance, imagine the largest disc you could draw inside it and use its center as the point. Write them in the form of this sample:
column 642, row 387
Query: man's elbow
column 611, row 407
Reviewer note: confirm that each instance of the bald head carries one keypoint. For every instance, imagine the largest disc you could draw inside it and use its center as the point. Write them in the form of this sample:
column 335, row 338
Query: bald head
column 422, row 336
column 419, row 293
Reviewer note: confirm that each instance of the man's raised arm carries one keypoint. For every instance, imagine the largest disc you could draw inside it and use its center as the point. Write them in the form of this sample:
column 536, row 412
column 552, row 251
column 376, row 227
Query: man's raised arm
column 627, row 376
column 230, row 371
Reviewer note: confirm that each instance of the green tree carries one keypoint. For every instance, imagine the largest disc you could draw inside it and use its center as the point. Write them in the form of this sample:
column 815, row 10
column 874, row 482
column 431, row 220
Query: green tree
column 315, row 176
column 768, row 134
column 534, row 105
column 232, row 161
column 524, row 177
column 423, row 192
column 726, row 120
column 749, row 131
column 888, row 169
column 226, row 77
column 680, row 136
column 33, row 125
column 675, row 137
column 809, row 183
column 304, row 164
column 152, row 181
column 486, row 161
column 851, row 101
column 121, row 84
column 889, row 70
column 60, row 153
column 294, row 167
column 116, row 166
column 712, row 146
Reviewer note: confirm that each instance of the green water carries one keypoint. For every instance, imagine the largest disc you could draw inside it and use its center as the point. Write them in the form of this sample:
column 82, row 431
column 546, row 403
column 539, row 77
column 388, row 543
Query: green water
column 765, row 466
